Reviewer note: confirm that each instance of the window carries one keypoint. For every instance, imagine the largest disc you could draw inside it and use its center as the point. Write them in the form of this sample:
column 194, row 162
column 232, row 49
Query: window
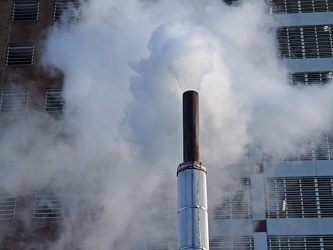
column 7, row 206
column 20, row 55
column 299, row 197
column 65, row 9
column 48, row 206
column 236, row 203
column 296, row 242
column 53, row 100
column 25, row 10
column 305, row 41
column 14, row 101
column 308, row 78
column 304, row 6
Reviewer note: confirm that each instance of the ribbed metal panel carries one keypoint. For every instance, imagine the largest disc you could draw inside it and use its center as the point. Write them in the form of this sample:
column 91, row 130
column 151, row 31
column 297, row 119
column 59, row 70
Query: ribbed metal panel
column 7, row 206
column 48, row 206
column 14, row 101
column 308, row 78
column 20, row 55
column 65, row 9
column 236, row 201
column 299, row 197
column 25, row 10
column 53, row 100
column 303, row 6
column 305, row 41
column 297, row 242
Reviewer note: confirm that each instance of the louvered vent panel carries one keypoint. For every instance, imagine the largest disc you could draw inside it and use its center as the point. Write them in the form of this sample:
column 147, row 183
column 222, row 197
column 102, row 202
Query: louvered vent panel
column 20, row 55
column 92, row 211
column 7, row 206
column 299, row 197
column 304, row 6
column 25, row 10
column 310, row 149
column 53, row 100
column 305, row 41
column 308, row 78
column 66, row 9
column 48, row 206
column 218, row 243
column 236, row 201
column 163, row 244
column 14, row 101
column 297, row 242
column 232, row 243
column 164, row 202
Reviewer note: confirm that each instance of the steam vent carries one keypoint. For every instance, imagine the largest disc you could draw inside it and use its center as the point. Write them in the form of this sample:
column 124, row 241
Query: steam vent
column 83, row 168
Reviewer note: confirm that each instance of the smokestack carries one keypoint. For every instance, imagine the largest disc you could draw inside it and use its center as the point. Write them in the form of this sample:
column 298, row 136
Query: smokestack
column 192, row 185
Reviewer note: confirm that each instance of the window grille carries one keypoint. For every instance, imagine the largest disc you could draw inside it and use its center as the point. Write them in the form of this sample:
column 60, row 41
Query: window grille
column 296, row 242
column 305, row 41
column 304, row 6
column 20, row 55
column 299, row 197
column 236, row 203
column 308, row 78
column 65, row 9
column 53, row 100
column 14, row 101
column 25, row 10
column 48, row 206
column 7, row 206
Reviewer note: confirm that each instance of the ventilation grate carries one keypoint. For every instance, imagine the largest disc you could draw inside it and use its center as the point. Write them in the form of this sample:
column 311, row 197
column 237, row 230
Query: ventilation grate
column 236, row 202
column 92, row 211
column 304, row 6
column 218, row 243
column 25, row 10
column 311, row 149
column 7, row 206
column 299, row 197
column 296, row 242
column 14, row 101
column 53, row 100
column 48, row 206
column 308, row 78
column 65, row 9
column 305, row 41
column 232, row 243
column 20, row 55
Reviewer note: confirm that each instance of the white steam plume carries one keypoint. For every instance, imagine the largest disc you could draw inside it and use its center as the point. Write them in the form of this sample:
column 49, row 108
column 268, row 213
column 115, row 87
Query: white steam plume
column 126, row 64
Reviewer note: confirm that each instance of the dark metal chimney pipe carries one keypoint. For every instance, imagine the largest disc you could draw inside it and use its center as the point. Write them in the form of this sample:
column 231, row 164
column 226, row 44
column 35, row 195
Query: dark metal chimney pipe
column 191, row 126
column 192, row 184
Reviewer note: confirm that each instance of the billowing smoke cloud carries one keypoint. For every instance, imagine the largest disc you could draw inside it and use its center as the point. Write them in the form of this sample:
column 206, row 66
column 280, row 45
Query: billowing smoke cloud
column 126, row 64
